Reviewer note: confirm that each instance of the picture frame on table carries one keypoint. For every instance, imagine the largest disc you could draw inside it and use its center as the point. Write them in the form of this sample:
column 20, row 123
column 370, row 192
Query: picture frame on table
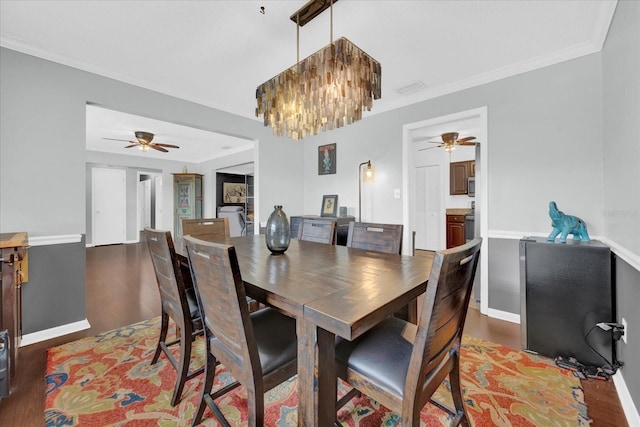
column 329, row 205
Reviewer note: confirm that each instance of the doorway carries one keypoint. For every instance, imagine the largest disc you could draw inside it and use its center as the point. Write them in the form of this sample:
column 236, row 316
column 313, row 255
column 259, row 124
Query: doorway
column 424, row 208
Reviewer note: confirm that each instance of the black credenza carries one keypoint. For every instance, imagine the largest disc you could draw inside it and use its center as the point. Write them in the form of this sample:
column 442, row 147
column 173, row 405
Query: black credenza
column 565, row 290
column 342, row 226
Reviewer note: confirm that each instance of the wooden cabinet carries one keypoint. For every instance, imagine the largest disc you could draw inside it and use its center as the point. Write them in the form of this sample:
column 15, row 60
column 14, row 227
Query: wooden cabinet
column 13, row 265
column 342, row 226
column 455, row 231
column 459, row 173
column 187, row 199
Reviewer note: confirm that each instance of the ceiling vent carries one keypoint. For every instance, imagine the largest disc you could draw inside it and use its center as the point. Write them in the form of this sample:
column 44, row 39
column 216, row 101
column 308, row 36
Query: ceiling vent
column 410, row 88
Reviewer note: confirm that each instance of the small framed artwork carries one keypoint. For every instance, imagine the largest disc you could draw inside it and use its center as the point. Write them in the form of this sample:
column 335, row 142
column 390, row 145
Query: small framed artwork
column 233, row 192
column 329, row 205
column 327, row 159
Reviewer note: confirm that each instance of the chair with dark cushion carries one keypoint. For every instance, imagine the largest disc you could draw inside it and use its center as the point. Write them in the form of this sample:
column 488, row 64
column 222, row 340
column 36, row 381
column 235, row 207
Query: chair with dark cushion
column 320, row 230
column 401, row 365
column 258, row 349
column 209, row 229
column 179, row 303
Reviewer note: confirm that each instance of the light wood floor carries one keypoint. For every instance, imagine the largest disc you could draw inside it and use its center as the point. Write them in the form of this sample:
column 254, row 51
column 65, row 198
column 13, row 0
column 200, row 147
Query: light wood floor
column 121, row 290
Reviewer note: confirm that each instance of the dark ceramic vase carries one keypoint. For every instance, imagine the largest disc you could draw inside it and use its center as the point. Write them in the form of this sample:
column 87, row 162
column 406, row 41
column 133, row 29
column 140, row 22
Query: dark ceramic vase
column 278, row 234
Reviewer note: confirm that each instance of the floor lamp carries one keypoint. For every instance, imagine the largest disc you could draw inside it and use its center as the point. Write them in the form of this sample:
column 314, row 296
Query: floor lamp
column 368, row 176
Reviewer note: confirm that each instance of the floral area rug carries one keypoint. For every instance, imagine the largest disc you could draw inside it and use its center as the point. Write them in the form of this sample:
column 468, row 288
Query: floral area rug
column 107, row 380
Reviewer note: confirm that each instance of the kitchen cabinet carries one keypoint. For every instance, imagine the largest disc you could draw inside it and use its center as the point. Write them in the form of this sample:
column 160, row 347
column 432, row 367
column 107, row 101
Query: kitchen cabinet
column 187, row 199
column 459, row 173
column 456, row 235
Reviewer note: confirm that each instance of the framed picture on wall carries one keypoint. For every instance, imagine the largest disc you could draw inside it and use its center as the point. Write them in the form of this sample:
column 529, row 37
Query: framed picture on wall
column 329, row 205
column 327, row 159
column 233, row 192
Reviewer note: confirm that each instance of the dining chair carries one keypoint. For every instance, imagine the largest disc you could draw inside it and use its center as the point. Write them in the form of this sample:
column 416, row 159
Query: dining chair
column 179, row 303
column 319, row 230
column 386, row 238
column 209, row 229
column 258, row 349
column 401, row 365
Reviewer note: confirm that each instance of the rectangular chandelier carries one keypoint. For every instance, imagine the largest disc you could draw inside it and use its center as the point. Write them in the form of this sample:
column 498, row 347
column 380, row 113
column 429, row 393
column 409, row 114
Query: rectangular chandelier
column 324, row 91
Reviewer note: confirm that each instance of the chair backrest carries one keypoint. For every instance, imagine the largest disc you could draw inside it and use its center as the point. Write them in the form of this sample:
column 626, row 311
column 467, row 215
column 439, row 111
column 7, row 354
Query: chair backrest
column 319, row 230
column 385, row 238
column 168, row 273
column 443, row 313
column 209, row 229
column 236, row 219
column 223, row 304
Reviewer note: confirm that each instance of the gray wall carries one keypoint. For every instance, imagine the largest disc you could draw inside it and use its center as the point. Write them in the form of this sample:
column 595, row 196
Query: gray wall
column 621, row 157
column 43, row 187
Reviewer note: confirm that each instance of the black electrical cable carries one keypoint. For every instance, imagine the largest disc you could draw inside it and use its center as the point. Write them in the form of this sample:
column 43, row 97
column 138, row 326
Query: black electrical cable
column 611, row 366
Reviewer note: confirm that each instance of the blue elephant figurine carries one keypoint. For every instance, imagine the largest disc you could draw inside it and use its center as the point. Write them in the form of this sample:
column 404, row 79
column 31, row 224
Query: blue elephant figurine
column 566, row 224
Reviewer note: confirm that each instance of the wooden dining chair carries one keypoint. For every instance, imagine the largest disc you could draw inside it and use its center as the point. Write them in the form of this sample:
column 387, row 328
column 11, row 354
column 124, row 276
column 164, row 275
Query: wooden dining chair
column 401, row 365
column 258, row 349
column 178, row 303
column 319, row 230
column 386, row 238
column 209, row 229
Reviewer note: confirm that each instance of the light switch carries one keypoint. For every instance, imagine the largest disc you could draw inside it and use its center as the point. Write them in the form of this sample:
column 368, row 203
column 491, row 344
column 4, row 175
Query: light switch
column 396, row 193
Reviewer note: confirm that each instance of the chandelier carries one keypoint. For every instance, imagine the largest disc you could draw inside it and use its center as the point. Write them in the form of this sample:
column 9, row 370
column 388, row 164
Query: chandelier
column 327, row 90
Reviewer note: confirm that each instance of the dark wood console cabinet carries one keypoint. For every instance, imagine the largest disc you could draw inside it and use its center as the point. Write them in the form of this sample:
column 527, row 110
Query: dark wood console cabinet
column 342, row 226
column 13, row 255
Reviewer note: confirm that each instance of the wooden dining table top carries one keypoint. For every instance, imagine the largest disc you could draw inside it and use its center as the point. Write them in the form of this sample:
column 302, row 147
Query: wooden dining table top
column 344, row 290
column 330, row 290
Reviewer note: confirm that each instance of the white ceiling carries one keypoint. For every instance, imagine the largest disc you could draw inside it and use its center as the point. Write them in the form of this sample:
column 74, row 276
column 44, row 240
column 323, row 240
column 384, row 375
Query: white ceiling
column 217, row 52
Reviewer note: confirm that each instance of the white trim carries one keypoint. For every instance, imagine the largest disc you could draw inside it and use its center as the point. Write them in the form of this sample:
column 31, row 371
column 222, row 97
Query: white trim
column 54, row 240
column 503, row 315
column 630, row 410
column 632, row 259
column 56, row 332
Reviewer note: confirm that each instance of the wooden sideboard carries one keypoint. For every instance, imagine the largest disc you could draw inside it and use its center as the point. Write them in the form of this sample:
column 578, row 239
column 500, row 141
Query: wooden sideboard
column 13, row 250
column 342, row 226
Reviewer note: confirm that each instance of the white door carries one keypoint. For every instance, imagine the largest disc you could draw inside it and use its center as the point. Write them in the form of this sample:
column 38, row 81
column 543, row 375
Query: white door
column 427, row 207
column 109, row 206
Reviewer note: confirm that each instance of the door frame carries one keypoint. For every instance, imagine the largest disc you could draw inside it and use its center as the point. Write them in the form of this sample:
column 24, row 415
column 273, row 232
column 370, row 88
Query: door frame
column 481, row 198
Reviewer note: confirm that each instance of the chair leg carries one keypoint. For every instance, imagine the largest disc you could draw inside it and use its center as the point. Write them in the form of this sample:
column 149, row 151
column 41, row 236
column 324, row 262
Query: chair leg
column 186, row 341
column 162, row 338
column 255, row 405
column 456, row 392
column 209, row 374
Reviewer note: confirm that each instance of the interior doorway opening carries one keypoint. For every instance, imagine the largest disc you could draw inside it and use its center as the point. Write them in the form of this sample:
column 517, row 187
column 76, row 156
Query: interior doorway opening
column 426, row 179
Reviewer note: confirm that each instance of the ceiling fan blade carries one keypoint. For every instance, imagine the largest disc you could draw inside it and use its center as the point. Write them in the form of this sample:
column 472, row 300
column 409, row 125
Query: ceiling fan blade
column 466, row 143
column 165, row 145
column 125, row 140
column 468, row 138
column 429, row 148
column 155, row 147
column 135, row 144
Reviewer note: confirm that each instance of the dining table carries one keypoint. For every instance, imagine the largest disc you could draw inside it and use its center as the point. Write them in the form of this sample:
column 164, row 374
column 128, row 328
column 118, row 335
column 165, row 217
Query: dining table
column 331, row 291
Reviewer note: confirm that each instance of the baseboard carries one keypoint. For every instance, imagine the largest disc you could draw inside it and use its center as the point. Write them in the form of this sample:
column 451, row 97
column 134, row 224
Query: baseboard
column 54, row 240
column 629, row 408
column 56, row 332
column 504, row 315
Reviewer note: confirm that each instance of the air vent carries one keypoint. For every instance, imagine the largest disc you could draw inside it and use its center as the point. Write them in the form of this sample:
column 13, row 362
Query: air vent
column 410, row 88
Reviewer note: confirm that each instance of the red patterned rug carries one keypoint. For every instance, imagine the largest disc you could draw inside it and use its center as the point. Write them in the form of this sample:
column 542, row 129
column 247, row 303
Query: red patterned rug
column 107, row 381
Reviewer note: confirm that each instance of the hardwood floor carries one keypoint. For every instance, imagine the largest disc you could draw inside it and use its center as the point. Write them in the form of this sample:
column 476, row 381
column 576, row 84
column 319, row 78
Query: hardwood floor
column 121, row 290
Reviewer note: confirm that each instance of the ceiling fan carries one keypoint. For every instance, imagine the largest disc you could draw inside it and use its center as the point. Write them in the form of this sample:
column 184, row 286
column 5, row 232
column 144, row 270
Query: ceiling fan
column 144, row 142
column 450, row 140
